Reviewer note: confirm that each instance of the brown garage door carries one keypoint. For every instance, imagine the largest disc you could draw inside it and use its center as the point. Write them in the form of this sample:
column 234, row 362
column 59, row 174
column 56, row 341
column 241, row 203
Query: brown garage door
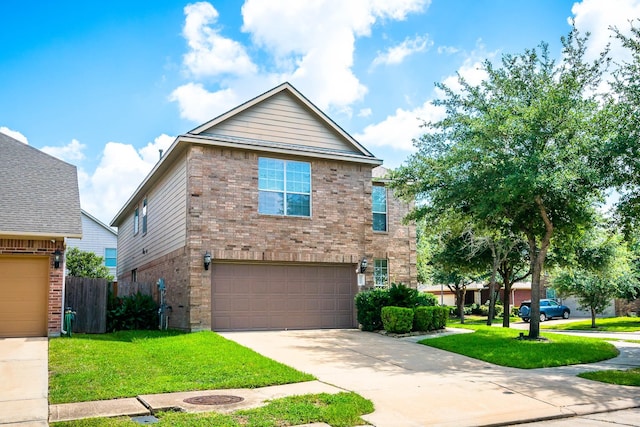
column 267, row 296
column 24, row 286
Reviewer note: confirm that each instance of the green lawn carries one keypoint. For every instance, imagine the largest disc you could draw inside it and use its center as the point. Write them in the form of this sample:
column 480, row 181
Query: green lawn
column 342, row 409
column 623, row 377
column 500, row 346
column 608, row 324
column 130, row 363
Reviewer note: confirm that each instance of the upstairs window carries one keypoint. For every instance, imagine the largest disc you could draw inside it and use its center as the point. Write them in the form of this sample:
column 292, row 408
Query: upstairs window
column 110, row 257
column 380, row 273
column 144, row 216
column 379, row 207
column 284, row 187
column 136, row 222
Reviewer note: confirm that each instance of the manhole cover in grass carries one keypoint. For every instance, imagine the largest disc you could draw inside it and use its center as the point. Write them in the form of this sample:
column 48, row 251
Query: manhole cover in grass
column 214, row 399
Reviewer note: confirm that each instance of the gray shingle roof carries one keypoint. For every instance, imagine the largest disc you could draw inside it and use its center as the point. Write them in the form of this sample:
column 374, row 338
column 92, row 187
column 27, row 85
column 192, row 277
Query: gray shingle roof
column 38, row 193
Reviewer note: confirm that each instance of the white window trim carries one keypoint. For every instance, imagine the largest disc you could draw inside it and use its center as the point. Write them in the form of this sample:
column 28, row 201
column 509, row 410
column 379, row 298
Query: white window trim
column 386, row 211
column 285, row 192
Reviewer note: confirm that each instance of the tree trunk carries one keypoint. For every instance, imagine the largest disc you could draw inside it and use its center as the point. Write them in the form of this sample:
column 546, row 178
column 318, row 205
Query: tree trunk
column 538, row 256
column 593, row 317
column 460, row 295
column 492, row 287
column 507, row 303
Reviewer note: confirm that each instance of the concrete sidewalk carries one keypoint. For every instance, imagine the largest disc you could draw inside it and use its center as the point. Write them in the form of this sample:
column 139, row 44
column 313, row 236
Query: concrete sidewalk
column 24, row 384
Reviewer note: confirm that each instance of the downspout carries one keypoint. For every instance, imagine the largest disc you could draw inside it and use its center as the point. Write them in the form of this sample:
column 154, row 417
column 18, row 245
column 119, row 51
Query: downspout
column 64, row 276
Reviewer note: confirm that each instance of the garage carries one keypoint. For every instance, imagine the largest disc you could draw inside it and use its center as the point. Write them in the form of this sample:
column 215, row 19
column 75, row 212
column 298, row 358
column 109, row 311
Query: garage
column 276, row 296
column 24, row 286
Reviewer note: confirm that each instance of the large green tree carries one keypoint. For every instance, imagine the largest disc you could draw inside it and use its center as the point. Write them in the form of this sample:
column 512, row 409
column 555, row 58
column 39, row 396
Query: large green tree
column 623, row 151
column 86, row 264
column 518, row 148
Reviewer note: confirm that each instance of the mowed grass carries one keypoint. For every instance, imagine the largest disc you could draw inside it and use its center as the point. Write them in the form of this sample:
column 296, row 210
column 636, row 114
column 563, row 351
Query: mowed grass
column 500, row 346
column 342, row 409
column 130, row 363
column 607, row 324
column 620, row 377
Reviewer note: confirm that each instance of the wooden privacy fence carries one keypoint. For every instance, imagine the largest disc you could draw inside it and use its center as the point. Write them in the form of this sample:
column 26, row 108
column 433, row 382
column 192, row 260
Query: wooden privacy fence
column 128, row 289
column 88, row 298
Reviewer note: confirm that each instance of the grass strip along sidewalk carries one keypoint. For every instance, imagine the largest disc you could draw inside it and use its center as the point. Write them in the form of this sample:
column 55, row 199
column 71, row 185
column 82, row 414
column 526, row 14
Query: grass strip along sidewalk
column 338, row 410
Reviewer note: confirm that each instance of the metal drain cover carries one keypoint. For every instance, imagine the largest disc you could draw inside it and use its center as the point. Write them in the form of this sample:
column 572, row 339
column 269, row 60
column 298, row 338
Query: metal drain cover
column 214, row 399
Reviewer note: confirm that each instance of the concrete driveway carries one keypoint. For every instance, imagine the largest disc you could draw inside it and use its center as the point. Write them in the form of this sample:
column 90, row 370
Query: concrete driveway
column 24, row 382
column 415, row 385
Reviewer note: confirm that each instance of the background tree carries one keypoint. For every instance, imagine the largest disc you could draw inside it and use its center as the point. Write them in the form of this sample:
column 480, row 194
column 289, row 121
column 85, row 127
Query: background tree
column 86, row 264
column 521, row 148
column 452, row 265
column 514, row 268
column 600, row 269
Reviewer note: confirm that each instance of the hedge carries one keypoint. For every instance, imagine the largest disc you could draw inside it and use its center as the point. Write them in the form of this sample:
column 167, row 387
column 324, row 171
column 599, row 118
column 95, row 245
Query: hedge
column 369, row 303
column 430, row 318
column 397, row 320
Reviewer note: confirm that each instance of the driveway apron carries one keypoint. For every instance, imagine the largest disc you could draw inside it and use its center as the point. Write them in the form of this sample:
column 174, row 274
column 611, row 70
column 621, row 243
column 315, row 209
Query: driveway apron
column 415, row 385
column 23, row 382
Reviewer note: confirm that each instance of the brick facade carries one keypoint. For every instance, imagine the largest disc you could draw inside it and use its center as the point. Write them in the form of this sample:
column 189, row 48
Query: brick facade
column 223, row 219
column 56, row 275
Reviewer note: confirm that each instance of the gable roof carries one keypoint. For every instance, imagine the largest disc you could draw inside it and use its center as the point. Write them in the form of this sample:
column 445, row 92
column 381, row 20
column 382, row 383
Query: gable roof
column 39, row 194
column 342, row 146
column 288, row 105
column 100, row 223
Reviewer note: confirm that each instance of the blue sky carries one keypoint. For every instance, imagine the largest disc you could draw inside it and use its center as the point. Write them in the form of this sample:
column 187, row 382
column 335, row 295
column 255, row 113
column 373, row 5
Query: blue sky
column 104, row 85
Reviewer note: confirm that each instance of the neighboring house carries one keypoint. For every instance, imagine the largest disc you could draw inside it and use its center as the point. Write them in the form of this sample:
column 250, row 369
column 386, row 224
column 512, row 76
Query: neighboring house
column 39, row 208
column 99, row 238
column 284, row 202
column 446, row 296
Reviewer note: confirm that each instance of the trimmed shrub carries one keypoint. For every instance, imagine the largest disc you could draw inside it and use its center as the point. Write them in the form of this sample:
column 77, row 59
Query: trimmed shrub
column 440, row 317
column 430, row 318
column 402, row 296
column 132, row 312
column 423, row 319
column 515, row 311
column 369, row 305
column 397, row 320
column 426, row 299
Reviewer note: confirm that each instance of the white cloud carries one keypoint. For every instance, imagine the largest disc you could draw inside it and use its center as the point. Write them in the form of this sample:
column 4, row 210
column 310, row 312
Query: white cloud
column 71, row 152
column 309, row 43
column 14, row 134
column 199, row 105
column 365, row 112
column 210, row 53
column 448, row 50
column 399, row 130
column 597, row 16
column 121, row 169
column 397, row 54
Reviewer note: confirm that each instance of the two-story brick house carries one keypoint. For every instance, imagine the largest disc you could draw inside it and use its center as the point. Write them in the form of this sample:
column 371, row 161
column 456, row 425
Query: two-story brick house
column 285, row 204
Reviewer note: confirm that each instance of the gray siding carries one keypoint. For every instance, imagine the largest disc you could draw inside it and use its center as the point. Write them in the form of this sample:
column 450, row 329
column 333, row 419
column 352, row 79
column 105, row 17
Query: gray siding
column 166, row 221
column 95, row 238
column 282, row 119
